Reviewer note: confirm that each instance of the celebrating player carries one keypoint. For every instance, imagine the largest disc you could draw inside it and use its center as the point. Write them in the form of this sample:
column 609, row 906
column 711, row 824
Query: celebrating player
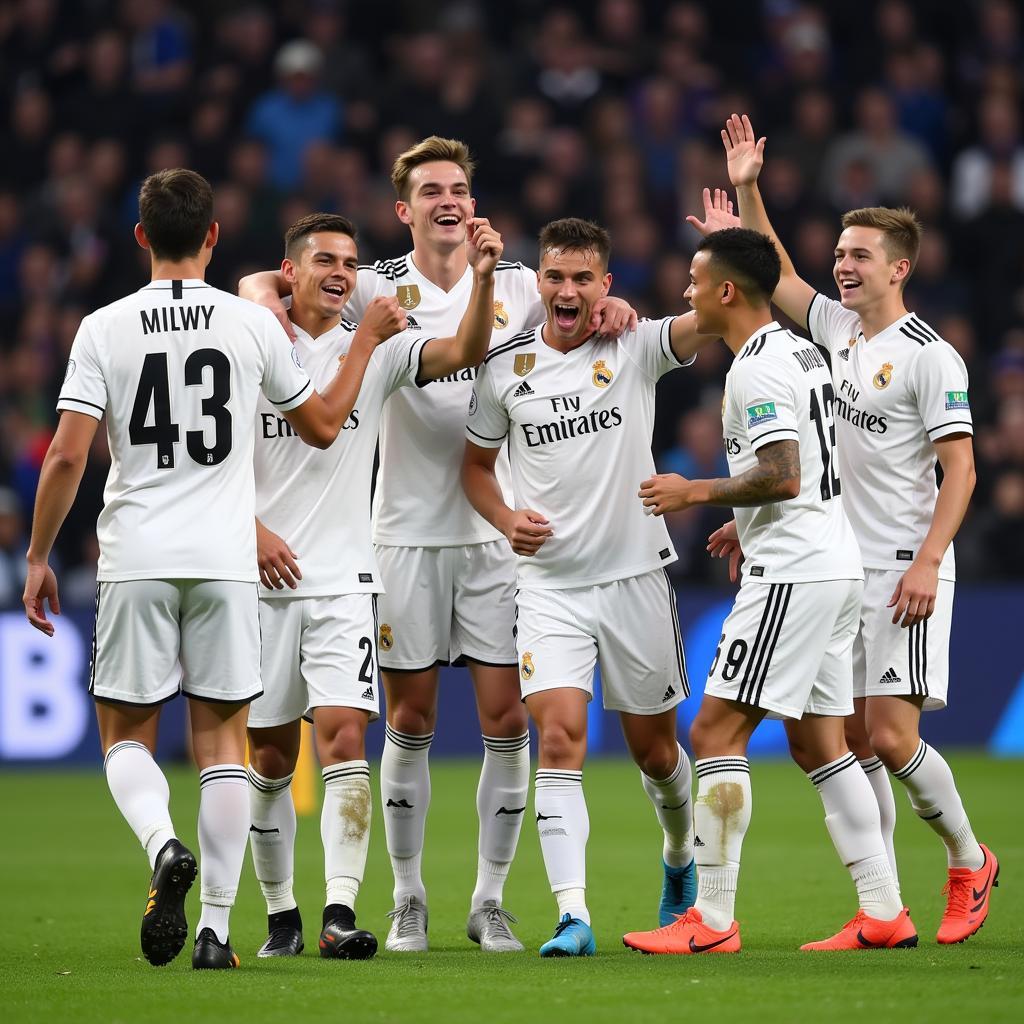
column 177, row 368
column 785, row 648
column 448, row 575
column 577, row 410
column 901, row 404
column 318, row 605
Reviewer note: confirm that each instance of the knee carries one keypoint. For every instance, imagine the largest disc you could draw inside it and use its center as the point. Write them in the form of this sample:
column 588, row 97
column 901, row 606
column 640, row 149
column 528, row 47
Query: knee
column 344, row 740
column 561, row 747
column 412, row 718
column 660, row 759
column 270, row 760
column 506, row 723
column 702, row 737
column 893, row 745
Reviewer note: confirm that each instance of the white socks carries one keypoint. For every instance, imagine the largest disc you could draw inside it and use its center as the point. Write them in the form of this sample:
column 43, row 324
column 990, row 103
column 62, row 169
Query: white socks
column 140, row 791
column 501, row 807
column 345, row 829
column 564, row 827
column 933, row 796
column 272, row 838
column 223, row 827
column 721, row 816
column 671, row 799
column 882, row 788
column 405, row 797
column 851, row 816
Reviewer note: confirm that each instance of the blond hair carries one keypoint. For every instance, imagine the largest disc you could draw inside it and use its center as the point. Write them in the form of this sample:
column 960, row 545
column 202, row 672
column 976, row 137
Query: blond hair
column 425, row 151
column 901, row 230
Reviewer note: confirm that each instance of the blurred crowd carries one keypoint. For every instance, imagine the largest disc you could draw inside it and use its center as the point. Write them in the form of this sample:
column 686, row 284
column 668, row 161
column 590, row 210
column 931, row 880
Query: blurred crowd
column 607, row 109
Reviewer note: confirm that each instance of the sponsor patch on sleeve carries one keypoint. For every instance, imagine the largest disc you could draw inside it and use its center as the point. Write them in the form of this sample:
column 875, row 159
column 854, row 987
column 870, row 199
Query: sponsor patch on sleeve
column 472, row 403
column 762, row 413
column 957, row 400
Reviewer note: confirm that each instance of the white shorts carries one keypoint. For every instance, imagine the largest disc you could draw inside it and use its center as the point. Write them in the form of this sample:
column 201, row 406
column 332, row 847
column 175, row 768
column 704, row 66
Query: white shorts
column 156, row 638
column 445, row 604
column 317, row 652
column 889, row 661
column 631, row 626
column 787, row 648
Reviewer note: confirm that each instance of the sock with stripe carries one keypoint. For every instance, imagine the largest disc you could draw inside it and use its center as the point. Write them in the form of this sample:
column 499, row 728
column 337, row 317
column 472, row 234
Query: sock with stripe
column 564, row 827
column 223, row 827
column 501, row 807
column 272, row 838
column 345, row 829
column 405, row 797
column 672, row 805
column 851, row 817
column 882, row 788
column 140, row 790
column 933, row 795
column 721, row 816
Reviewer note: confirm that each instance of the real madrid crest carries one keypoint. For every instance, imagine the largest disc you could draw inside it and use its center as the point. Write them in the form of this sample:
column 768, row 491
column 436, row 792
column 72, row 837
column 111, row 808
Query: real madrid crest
column 501, row 317
column 602, row 375
column 883, row 377
column 386, row 640
column 526, row 668
column 408, row 295
column 524, row 363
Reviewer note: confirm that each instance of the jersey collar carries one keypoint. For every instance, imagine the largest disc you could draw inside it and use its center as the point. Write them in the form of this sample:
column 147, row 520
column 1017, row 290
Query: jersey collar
column 756, row 342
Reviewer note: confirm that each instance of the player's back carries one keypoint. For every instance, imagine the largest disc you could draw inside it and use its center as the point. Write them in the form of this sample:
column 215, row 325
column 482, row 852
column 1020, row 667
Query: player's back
column 779, row 389
column 177, row 367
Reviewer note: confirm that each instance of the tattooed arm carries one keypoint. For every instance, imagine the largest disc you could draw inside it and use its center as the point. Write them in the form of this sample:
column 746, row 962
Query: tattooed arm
column 776, row 477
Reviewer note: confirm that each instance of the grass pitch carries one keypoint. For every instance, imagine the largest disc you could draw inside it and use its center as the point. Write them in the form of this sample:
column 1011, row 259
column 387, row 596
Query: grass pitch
column 74, row 885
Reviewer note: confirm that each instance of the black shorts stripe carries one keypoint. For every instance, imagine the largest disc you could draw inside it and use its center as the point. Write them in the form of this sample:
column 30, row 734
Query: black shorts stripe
column 917, row 658
column 95, row 628
column 759, row 659
column 684, row 679
column 788, row 592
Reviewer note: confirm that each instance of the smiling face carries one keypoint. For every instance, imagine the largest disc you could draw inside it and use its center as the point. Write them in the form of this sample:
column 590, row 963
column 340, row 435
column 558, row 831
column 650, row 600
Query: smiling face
column 571, row 281
column 864, row 271
column 705, row 293
column 323, row 273
column 438, row 204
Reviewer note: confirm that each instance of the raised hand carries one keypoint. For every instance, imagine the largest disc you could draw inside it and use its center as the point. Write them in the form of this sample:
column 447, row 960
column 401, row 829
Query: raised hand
column 612, row 316
column 483, row 245
column 717, row 213
column 744, row 152
column 383, row 318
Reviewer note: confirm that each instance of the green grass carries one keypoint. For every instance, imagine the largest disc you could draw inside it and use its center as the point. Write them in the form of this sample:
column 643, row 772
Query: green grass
column 74, row 886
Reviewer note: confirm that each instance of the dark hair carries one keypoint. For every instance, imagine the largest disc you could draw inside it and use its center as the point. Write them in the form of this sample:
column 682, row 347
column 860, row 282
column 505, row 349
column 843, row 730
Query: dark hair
column 312, row 223
column 176, row 211
column 748, row 258
column 578, row 235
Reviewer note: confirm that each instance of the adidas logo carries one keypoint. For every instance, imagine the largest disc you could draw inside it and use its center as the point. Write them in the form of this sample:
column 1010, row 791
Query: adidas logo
column 669, row 694
column 523, row 390
column 697, row 841
column 410, row 323
column 368, row 693
column 889, row 676
column 844, row 354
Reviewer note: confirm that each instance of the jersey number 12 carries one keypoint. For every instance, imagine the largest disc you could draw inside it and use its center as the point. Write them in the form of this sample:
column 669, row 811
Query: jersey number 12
column 825, row 424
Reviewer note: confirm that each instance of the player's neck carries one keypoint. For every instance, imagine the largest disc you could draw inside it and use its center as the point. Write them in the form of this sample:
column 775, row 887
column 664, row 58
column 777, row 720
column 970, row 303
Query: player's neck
column 547, row 335
column 311, row 321
column 178, row 270
column 445, row 268
column 743, row 325
column 881, row 315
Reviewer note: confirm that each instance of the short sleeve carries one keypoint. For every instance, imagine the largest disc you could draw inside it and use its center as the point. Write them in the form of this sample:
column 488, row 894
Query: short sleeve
column 285, row 383
column 398, row 360
column 487, row 419
column 939, row 382
column 650, row 347
column 830, row 325
column 369, row 284
column 765, row 401
column 84, row 389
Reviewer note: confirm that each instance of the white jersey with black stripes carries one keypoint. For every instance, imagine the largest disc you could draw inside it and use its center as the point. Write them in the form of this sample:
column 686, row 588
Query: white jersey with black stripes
column 895, row 395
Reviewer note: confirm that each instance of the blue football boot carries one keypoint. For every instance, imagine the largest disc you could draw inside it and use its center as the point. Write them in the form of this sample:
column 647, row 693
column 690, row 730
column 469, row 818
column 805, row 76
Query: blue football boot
column 572, row 937
column 678, row 892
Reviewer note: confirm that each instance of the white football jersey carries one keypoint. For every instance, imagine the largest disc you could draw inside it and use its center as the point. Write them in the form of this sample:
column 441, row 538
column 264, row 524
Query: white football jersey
column 895, row 395
column 178, row 368
column 779, row 389
column 419, row 500
column 318, row 501
column 579, row 429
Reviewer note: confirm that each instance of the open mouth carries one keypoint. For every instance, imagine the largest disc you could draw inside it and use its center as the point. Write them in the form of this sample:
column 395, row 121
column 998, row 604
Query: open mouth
column 848, row 285
column 448, row 220
column 566, row 316
column 336, row 291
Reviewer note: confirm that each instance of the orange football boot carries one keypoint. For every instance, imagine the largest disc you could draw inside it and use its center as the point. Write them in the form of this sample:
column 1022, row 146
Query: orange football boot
column 687, row 934
column 865, row 932
column 967, row 894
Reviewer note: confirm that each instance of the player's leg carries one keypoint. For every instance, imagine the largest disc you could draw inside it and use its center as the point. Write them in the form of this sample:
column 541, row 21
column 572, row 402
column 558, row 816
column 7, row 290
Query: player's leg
column 483, row 632
column 134, row 670
column 220, row 659
column 909, row 673
column 275, row 732
column 414, row 635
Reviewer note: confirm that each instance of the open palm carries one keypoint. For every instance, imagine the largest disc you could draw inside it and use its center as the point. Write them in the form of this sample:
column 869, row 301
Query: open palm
column 743, row 150
column 717, row 213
